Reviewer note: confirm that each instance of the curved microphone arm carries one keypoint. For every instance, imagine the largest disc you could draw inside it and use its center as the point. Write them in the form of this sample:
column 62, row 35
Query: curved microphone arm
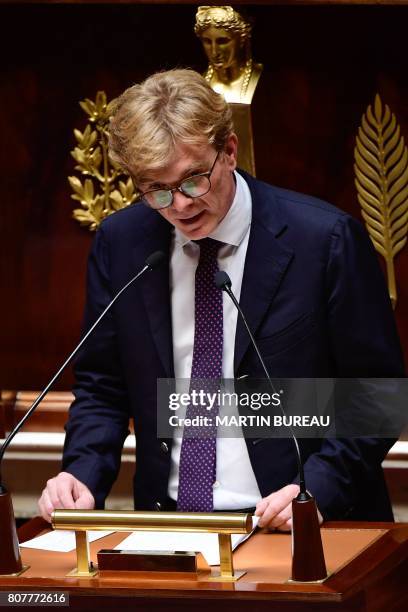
column 151, row 262
column 223, row 281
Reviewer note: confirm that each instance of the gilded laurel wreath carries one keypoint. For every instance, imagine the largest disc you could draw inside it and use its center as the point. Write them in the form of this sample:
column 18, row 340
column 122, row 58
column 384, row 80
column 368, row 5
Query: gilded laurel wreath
column 381, row 168
column 106, row 187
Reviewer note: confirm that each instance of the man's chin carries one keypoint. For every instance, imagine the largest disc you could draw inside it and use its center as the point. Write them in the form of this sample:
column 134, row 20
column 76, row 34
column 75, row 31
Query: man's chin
column 197, row 234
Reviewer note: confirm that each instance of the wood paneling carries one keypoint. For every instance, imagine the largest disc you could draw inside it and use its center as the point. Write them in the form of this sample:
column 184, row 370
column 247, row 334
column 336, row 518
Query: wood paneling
column 323, row 65
column 215, row 2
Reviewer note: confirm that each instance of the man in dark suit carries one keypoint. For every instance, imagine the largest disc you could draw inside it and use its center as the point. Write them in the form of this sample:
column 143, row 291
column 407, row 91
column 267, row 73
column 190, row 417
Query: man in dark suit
column 308, row 281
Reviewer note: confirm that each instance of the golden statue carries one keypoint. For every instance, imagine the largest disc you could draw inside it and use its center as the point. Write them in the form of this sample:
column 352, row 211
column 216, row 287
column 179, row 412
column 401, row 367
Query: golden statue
column 226, row 38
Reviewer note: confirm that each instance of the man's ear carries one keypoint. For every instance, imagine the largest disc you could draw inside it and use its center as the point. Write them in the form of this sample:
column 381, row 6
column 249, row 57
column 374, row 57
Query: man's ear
column 231, row 150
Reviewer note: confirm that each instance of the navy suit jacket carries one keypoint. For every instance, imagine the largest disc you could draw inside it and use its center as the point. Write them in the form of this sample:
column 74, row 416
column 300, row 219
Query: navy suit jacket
column 315, row 298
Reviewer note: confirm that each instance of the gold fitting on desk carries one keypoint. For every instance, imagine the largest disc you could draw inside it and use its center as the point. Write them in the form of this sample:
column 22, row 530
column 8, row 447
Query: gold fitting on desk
column 224, row 524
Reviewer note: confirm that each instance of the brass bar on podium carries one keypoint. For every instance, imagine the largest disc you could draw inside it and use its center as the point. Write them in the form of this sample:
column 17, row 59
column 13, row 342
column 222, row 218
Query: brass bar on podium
column 222, row 523
column 208, row 522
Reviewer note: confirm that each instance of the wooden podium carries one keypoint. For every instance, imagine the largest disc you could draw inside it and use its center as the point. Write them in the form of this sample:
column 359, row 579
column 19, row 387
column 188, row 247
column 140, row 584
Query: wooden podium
column 367, row 564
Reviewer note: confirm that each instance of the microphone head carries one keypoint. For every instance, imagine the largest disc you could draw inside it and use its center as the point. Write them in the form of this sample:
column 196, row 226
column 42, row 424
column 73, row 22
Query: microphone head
column 222, row 280
column 155, row 259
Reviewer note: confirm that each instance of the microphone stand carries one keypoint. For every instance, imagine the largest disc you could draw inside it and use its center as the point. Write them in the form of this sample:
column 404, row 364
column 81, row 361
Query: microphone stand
column 308, row 563
column 10, row 558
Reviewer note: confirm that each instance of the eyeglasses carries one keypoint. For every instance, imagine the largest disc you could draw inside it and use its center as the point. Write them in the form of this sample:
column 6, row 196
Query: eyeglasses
column 194, row 186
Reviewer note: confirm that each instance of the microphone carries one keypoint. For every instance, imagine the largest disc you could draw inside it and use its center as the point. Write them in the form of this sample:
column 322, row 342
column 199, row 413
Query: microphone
column 308, row 562
column 154, row 260
column 223, row 281
column 10, row 561
column 151, row 262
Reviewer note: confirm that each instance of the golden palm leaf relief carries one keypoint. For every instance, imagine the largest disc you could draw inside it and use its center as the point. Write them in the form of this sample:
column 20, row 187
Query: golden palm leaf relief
column 381, row 169
column 105, row 187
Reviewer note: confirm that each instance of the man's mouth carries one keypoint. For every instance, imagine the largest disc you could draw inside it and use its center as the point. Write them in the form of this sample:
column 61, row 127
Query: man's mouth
column 191, row 220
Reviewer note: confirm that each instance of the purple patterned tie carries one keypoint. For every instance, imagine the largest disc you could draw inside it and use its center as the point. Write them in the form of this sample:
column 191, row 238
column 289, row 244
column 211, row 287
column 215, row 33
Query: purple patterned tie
column 198, row 449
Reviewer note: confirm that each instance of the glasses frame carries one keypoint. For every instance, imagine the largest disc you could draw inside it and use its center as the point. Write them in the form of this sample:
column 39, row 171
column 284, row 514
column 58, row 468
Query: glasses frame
column 179, row 188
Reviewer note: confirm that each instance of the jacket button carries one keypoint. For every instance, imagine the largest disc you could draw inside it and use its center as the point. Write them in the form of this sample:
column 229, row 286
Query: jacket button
column 164, row 447
column 157, row 506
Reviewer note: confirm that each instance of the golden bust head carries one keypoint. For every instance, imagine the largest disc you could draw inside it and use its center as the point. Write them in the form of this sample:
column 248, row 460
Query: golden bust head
column 226, row 35
column 222, row 17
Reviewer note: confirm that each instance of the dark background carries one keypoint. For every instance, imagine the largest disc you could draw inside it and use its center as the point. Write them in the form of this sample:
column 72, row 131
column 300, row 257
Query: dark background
column 322, row 66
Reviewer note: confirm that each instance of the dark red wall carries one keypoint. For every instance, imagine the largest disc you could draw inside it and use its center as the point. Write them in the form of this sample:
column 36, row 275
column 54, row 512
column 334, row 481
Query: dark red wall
column 323, row 65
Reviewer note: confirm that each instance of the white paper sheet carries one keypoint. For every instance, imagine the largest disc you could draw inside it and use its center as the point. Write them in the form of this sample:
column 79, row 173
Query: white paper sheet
column 206, row 543
column 61, row 540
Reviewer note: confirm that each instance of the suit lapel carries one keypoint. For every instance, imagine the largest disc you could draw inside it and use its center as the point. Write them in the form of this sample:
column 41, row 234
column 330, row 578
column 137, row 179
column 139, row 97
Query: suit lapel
column 265, row 265
column 155, row 288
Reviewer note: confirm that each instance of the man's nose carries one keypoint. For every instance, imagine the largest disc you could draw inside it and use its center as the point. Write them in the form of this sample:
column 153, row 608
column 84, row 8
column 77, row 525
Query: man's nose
column 181, row 201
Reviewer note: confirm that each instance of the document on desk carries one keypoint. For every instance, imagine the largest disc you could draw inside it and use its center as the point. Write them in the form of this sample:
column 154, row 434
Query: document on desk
column 206, row 543
column 61, row 540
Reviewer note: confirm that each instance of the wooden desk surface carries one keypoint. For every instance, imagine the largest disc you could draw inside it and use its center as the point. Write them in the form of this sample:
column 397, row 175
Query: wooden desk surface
column 368, row 565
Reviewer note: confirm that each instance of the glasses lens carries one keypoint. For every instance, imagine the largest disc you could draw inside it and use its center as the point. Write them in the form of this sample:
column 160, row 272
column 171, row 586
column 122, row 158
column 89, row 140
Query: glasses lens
column 195, row 186
column 159, row 198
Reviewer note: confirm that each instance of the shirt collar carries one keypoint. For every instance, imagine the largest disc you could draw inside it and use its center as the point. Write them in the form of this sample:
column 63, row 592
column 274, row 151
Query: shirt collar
column 236, row 222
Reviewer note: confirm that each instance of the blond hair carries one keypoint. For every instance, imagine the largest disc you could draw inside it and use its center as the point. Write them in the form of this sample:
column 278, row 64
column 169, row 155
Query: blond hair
column 168, row 108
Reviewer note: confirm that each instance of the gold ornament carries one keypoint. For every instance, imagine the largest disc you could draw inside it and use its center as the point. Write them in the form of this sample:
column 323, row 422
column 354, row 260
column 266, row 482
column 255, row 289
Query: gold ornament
column 226, row 38
column 106, row 188
column 381, row 168
column 245, row 77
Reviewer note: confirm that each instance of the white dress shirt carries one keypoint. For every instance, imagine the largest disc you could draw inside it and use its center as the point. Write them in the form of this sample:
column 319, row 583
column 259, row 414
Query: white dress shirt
column 235, row 486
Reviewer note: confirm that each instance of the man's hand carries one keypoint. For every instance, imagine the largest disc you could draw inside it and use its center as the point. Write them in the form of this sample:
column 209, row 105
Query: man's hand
column 275, row 510
column 64, row 491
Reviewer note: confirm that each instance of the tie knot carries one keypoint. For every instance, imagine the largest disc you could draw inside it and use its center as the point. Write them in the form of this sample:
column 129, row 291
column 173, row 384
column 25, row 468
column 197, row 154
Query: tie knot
column 209, row 247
